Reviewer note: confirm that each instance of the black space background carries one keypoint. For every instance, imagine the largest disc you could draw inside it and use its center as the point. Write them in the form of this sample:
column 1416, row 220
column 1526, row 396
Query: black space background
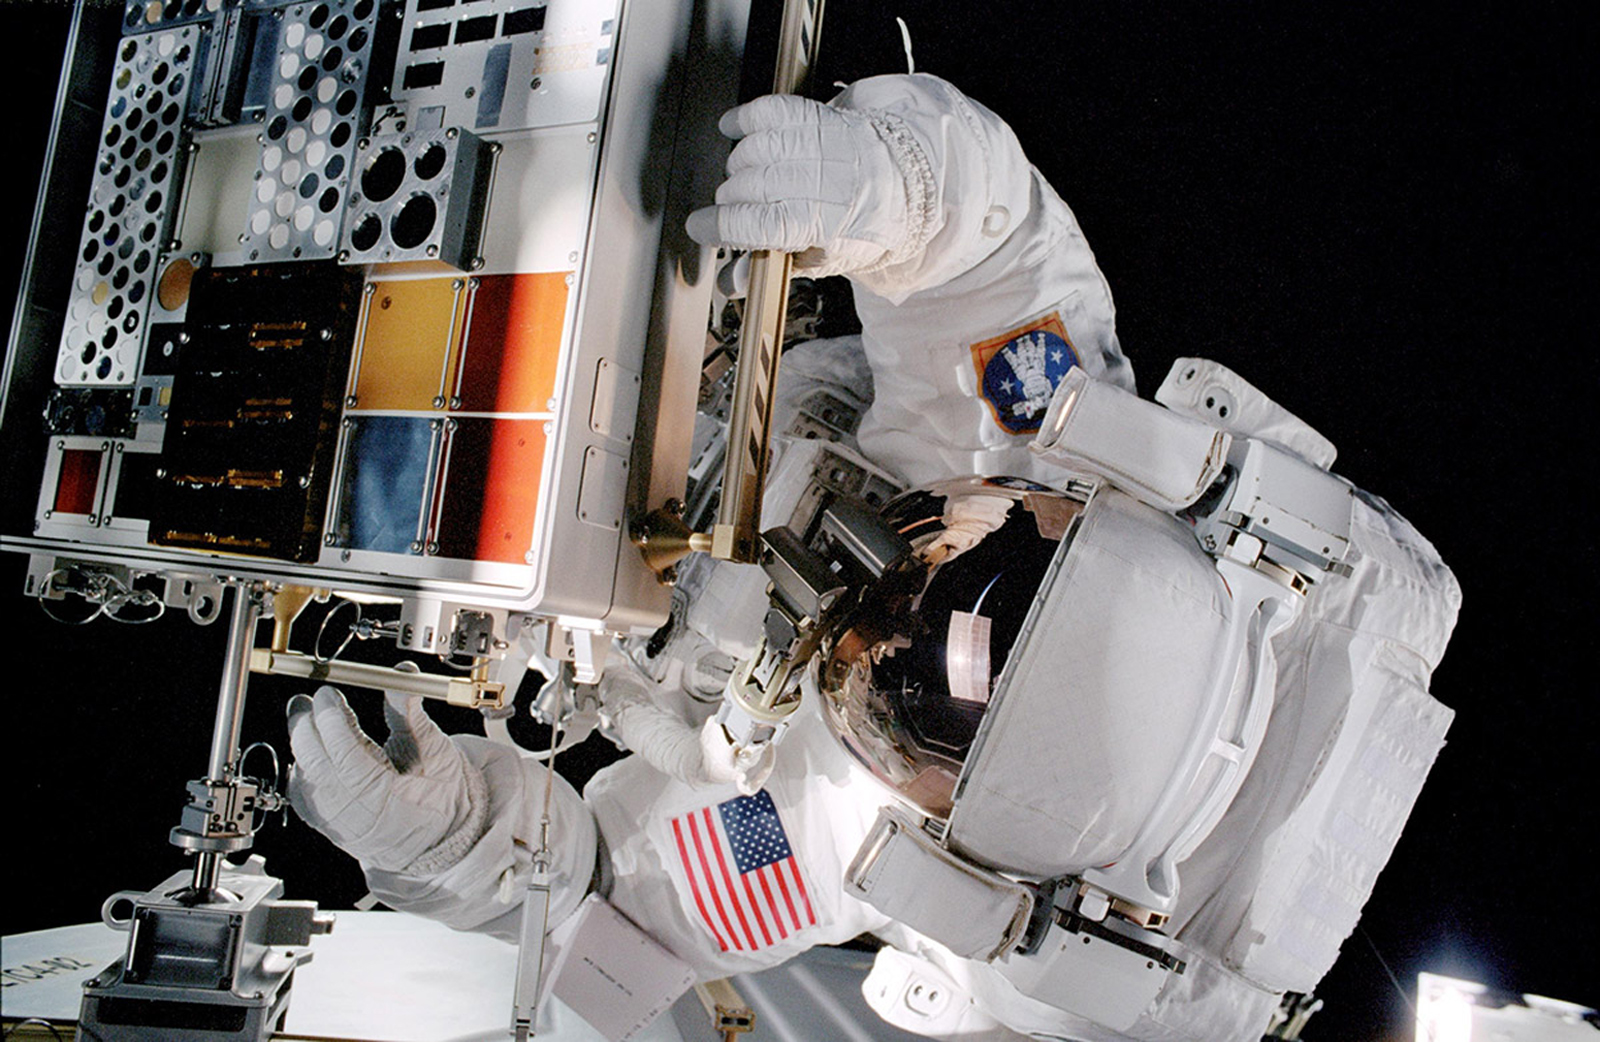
column 1381, row 216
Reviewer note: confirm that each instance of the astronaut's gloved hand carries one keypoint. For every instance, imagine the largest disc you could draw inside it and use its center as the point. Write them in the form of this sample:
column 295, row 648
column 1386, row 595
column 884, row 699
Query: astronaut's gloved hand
column 818, row 181
column 414, row 804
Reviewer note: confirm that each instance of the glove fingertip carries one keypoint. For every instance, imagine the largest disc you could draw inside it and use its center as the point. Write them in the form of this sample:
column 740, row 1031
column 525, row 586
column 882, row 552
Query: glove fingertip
column 297, row 707
column 702, row 226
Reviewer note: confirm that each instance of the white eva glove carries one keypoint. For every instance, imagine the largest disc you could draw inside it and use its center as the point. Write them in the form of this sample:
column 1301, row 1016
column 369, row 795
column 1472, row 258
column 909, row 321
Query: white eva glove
column 821, row 182
column 414, row 805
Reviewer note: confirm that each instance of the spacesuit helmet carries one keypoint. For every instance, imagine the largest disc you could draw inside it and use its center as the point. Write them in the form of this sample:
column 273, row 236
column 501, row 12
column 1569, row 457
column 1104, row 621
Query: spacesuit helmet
column 908, row 670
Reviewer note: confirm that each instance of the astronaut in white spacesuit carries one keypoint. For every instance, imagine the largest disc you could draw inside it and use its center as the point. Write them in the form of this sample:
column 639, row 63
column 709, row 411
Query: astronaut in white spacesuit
column 978, row 296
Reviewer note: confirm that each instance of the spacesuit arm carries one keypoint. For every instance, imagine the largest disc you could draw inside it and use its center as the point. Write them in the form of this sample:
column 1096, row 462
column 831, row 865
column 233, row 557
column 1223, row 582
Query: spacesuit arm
column 483, row 890
column 924, row 198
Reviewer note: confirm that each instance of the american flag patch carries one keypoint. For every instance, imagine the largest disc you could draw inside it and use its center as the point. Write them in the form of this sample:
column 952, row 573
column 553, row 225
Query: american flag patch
column 743, row 877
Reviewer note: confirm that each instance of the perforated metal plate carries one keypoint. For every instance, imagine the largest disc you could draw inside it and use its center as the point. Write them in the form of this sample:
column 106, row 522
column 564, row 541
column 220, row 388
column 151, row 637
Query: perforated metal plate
column 312, row 122
column 142, row 15
column 135, row 179
column 418, row 197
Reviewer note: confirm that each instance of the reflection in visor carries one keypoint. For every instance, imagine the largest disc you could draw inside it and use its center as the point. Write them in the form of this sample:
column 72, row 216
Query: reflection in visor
column 907, row 674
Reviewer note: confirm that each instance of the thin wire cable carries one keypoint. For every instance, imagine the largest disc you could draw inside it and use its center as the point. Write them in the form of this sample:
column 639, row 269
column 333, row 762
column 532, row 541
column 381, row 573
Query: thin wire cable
column 316, row 646
column 1412, row 1006
column 107, row 593
column 37, row 1022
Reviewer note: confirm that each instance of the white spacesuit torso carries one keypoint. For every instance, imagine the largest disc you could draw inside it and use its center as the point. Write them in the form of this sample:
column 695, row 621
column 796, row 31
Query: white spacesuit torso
column 967, row 342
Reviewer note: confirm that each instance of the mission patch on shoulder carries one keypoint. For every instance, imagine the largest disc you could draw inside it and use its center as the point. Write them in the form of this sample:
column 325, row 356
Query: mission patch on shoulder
column 1018, row 371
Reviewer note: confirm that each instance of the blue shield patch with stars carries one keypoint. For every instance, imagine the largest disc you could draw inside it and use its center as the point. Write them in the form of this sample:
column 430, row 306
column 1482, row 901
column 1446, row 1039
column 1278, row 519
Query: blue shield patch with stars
column 1018, row 372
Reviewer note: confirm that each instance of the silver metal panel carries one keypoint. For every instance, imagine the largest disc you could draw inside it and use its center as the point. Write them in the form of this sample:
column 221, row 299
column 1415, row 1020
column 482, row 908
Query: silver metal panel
column 505, row 64
column 312, row 122
column 136, row 172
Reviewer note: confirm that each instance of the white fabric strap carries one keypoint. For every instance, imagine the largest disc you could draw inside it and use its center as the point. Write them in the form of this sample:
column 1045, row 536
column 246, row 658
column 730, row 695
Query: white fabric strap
column 1153, row 454
column 902, row 873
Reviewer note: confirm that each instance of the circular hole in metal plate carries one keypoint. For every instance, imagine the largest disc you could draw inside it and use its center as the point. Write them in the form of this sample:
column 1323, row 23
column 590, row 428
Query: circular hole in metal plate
column 91, row 249
column 165, row 144
column 340, row 135
column 141, row 262
column 148, row 232
column 383, row 174
column 113, row 134
column 130, row 145
column 308, row 78
column 170, row 114
column 117, row 206
column 430, row 162
column 411, row 227
column 159, row 74
column 361, row 10
column 120, row 279
column 113, row 233
column 143, row 159
column 176, row 86
column 337, row 27
column 103, row 370
column 107, row 164
column 153, row 103
column 148, row 132
column 124, row 78
column 334, row 168
column 346, row 103
column 153, row 204
column 126, row 250
column 130, row 321
column 302, row 109
column 159, row 172
column 319, row 16
column 366, row 233
column 90, row 349
column 357, row 41
column 278, row 127
column 309, row 185
column 114, row 309
column 107, row 262
column 331, row 60
column 172, row 291
column 97, row 221
column 109, row 337
column 329, row 201
column 123, row 176
column 134, row 118
column 136, row 293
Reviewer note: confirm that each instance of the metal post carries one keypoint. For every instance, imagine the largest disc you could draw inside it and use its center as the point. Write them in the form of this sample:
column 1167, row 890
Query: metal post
column 734, row 537
column 230, row 709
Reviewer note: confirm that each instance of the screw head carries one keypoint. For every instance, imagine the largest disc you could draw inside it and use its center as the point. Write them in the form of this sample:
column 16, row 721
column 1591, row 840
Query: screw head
column 350, row 401
column 329, row 539
column 416, row 547
column 438, row 403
